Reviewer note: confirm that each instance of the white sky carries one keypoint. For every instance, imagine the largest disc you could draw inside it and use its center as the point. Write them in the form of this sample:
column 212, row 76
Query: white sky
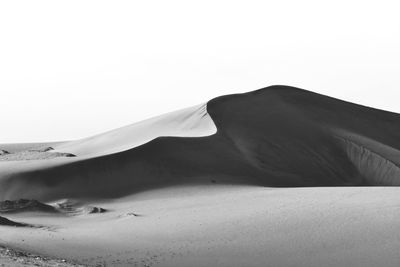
column 70, row 69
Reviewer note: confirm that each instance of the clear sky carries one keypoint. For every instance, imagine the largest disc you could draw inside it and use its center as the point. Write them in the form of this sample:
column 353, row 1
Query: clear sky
column 70, row 69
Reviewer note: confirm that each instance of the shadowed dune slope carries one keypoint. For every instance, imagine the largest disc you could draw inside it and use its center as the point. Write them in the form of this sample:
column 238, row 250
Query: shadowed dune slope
column 276, row 136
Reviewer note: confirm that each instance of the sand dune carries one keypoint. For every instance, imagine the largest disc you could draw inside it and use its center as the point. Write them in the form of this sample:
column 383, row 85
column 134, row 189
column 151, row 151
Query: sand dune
column 277, row 136
column 229, row 153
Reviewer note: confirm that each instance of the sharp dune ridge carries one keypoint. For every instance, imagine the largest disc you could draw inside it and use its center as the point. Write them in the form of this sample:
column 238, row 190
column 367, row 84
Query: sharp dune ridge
column 276, row 136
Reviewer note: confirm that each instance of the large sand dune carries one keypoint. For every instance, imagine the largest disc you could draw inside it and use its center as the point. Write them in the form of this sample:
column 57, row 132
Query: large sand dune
column 194, row 187
column 277, row 136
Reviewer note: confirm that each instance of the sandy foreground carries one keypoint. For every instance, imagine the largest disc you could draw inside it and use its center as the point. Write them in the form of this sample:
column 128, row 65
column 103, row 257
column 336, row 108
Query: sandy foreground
column 16, row 258
column 225, row 226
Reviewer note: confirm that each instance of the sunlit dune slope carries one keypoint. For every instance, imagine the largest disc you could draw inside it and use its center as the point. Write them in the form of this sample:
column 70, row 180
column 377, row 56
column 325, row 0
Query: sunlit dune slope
column 189, row 122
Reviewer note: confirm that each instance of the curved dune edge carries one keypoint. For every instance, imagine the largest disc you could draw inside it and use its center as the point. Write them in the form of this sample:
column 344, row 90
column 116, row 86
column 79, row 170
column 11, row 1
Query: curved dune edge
column 276, row 136
column 188, row 122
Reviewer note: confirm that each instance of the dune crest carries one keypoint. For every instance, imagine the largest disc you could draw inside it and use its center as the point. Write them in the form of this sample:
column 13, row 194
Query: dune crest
column 189, row 122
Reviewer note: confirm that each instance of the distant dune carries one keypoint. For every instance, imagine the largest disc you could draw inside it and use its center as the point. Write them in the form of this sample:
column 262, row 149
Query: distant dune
column 218, row 184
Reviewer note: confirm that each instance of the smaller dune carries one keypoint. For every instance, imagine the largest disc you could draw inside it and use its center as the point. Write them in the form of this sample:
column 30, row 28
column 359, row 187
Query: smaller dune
column 3, row 152
column 24, row 205
column 7, row 222
column 67, row 207
column 75, row 208
column 33, row 155
column 93, row 210
column 18, row 147
column 42, row 149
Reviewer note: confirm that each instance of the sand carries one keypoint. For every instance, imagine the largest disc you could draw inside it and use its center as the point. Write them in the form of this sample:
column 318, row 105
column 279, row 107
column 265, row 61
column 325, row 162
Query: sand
column 17, row 258
column 275, row 177
column 227, row 226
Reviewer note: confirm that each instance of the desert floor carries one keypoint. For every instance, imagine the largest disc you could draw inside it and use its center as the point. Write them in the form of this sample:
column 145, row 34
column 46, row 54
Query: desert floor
column 219, row 225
